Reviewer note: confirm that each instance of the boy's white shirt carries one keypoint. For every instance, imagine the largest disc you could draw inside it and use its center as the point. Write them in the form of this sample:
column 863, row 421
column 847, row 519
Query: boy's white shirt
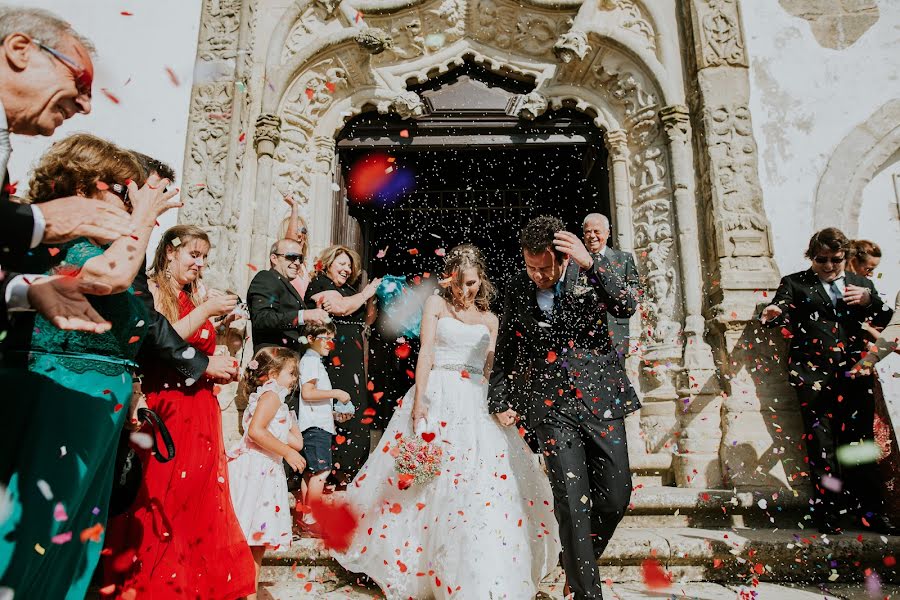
column 315, row 413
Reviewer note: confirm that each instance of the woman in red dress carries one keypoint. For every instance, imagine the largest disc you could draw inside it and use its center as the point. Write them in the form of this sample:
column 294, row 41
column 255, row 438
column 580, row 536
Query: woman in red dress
column 181, row 538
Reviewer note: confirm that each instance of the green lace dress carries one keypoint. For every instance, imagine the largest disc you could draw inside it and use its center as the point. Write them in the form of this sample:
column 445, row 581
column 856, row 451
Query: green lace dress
column 80, row 383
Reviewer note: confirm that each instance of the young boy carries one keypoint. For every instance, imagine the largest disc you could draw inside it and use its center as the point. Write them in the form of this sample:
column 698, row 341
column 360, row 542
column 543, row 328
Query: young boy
column 315, row 414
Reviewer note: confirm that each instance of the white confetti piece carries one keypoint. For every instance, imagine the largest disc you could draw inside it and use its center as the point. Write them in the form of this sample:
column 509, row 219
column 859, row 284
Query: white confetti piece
column 204, row 334
column 570, row 475
column 189, row 353
column 190, row 381
column 762, row 503
column 62, row 451
column 141, row 440
column 584, row 499
column 45, row 489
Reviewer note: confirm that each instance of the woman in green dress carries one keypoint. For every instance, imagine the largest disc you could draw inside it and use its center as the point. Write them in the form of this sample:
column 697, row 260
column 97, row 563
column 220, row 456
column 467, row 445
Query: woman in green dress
column 80, row 384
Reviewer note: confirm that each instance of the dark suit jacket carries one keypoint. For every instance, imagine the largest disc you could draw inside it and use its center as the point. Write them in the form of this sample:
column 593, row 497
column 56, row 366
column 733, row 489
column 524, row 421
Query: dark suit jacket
column 824, row 339
column 161, row 340
column 275, row 307
column 623, row 265
column 16, row 256
column 538, row 359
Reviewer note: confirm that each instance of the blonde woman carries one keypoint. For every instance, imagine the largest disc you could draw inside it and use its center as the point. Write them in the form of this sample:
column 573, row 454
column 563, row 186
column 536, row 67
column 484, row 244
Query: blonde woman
column 334, row 288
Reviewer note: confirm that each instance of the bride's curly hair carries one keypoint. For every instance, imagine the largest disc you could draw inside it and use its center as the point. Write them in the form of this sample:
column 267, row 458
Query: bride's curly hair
column 460, row 258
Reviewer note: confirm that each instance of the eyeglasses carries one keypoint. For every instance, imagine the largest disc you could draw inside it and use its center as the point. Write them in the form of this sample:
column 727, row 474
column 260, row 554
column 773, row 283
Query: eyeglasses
column 83, row 79
column 834, row 260
column 290, row 257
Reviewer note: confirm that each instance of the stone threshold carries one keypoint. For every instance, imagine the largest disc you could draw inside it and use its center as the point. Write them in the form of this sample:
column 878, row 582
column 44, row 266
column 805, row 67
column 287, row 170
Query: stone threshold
column 689, row 554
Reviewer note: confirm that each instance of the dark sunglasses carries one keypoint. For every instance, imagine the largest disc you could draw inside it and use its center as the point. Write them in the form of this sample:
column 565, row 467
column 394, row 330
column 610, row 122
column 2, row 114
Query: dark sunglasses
column 291, row 257
column 83, row 79
column 834, row 260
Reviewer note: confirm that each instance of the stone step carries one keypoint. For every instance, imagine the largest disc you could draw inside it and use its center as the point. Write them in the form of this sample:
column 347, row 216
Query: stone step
column 728, row 555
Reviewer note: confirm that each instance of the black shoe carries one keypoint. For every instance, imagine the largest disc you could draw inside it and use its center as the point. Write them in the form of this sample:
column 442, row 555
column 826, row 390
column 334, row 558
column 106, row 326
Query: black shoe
column 879, row 524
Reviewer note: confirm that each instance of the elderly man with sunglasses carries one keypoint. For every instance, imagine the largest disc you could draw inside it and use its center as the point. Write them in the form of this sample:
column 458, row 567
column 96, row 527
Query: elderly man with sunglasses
column 821, row 311
column 45, row 78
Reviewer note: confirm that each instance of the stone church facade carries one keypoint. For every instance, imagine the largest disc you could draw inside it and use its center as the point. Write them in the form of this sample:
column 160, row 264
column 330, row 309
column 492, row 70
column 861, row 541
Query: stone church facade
column 667, row 83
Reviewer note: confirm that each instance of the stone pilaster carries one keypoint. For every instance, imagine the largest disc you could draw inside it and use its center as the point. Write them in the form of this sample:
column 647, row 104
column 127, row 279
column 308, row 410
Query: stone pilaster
column 738, row 250
column 617, row 145
column 266, row 139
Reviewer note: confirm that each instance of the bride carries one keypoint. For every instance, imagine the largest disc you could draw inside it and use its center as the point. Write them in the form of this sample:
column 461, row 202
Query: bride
column 484, row 528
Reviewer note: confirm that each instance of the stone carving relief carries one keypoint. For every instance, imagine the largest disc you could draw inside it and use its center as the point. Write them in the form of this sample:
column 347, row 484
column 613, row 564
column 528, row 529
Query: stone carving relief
column 310, row 95
column 268, row 129
column 733, row 151
column 374, row 40
column 219, row 29
column 408, row 105
column 529, row 106
column 718, row 33
column 422, row 30
column 626, row 15
column 301, row 33
column 508, row 27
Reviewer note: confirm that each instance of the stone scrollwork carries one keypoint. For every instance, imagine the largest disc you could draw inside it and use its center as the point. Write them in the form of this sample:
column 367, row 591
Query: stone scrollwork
column 408, row 105
column 571, row 45
column 718, row 33
column 529, row 106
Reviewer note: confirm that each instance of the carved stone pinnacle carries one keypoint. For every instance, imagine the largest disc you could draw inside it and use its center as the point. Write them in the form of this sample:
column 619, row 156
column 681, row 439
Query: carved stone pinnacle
column 529, row 106
column 408, row 105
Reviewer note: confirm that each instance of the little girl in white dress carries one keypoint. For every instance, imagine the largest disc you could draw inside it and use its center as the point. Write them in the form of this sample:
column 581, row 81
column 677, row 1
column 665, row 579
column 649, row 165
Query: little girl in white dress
column 258, row 484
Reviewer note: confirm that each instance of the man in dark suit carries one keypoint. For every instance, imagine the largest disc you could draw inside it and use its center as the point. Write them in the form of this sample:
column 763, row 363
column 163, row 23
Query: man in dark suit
column 821, row 311
column 596, row 235
column 555, row 366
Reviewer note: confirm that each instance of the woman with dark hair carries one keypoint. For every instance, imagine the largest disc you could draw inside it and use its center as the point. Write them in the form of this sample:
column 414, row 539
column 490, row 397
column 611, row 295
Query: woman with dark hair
column 50, row 542
column 334, row 288
column 824, row 308
column 181, row 537
column 490, row 496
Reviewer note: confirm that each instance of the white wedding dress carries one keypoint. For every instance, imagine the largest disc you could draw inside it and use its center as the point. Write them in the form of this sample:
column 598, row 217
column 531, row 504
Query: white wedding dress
column 484, row 528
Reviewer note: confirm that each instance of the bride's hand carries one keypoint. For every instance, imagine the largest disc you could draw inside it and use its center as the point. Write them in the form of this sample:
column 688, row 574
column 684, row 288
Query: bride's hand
column 507, row 417
column 419, row 411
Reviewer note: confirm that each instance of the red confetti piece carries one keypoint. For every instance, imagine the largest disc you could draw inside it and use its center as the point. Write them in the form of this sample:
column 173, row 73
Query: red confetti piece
column 338, row 523
column 759, row 569
column 242, row 138
column 369, row 412
column 336, row 361
column 117, row 408
column 402, row 566
column 465, row 374
column 413, row 251
column 308, row 586
column 134, row 338
column 331, row 87
column 53, row 251
column 125, row 13
column 310, row 93
column 404, row 480
column 252, row 267
column 396, row 508
column 11, row 188
column 92, row 533
column 101, row 186
column 107, row 392
column 339, row 439
column 216, row 389
column 404, row 133
column 403, row 351
column 440, row 252
column 173, row 77
column 112, row 97
column 428, row 436
column 551, row 356
column 655, row 577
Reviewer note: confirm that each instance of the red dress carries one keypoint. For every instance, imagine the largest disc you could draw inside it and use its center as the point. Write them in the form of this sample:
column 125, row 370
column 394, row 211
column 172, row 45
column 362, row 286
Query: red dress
column 181, row 538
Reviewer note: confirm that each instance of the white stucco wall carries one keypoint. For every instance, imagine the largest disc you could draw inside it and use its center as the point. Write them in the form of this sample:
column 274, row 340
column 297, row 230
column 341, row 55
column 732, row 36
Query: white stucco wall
column 133, row 53
column 804, row 100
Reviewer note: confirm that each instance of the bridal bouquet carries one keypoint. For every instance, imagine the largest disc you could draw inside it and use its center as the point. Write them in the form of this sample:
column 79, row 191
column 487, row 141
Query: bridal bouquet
column 417, row 460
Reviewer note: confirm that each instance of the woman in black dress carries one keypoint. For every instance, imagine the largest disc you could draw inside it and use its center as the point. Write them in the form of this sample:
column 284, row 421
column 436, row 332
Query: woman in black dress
column 334, row 289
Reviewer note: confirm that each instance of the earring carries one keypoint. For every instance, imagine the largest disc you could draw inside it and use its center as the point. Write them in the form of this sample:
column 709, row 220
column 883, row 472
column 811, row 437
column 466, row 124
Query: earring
column 168, row 273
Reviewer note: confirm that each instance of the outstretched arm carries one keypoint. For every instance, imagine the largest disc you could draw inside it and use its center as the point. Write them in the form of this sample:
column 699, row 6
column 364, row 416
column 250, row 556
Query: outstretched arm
column 430, row 314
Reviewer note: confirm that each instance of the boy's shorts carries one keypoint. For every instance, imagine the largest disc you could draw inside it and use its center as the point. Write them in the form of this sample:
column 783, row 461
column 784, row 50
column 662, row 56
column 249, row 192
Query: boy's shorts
column 317, row 449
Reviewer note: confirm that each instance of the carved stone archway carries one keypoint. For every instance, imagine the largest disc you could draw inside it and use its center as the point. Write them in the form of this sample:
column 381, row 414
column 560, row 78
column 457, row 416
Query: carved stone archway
column 861, row 155
column 297, row 75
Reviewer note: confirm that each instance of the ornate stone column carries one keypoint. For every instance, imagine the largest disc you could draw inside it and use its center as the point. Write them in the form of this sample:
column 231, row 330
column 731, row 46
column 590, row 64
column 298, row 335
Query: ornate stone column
column 696, row 459
column 758, row 418
column 266, row 139
column 617, row 145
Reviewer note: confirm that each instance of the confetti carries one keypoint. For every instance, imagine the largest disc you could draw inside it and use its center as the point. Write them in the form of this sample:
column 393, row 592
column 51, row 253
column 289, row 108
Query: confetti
column 110, row 96
column 655, row 577
column 45, row 490
column 337, row 521
column 173, row 77
column 858, row 454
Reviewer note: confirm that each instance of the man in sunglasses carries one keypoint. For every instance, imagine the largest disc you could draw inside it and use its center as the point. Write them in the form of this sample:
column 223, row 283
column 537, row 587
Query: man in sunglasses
column 45, row 78
column 821, row 312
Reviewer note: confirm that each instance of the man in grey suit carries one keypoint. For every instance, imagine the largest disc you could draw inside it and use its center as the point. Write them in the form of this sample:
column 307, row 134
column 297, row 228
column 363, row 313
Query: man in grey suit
column 596, row 233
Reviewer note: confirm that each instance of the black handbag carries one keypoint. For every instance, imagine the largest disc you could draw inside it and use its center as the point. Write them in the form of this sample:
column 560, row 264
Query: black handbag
column 128, row 470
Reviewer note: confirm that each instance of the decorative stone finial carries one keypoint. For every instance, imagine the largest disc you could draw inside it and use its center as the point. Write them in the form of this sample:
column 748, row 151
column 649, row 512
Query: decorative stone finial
column 268, row 134
column 408, row 105
column 374, row 40
column 571, row 45
column 529, row 106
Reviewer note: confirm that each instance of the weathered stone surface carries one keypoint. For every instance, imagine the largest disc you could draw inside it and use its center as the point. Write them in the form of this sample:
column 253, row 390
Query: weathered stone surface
column 835, row 24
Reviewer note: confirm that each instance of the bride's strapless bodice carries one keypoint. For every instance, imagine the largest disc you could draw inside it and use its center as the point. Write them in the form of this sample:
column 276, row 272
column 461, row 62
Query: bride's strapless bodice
column 460, row 344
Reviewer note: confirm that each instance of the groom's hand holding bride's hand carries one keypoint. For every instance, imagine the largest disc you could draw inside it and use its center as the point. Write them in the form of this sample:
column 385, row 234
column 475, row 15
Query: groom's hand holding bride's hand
column 507, row 417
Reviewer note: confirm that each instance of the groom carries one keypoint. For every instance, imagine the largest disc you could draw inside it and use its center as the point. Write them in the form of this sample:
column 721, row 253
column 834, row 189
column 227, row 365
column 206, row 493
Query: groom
column 556, row 367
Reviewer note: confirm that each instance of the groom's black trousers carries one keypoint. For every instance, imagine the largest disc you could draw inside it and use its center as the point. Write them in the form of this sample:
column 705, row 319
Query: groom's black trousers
column 589, row 473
